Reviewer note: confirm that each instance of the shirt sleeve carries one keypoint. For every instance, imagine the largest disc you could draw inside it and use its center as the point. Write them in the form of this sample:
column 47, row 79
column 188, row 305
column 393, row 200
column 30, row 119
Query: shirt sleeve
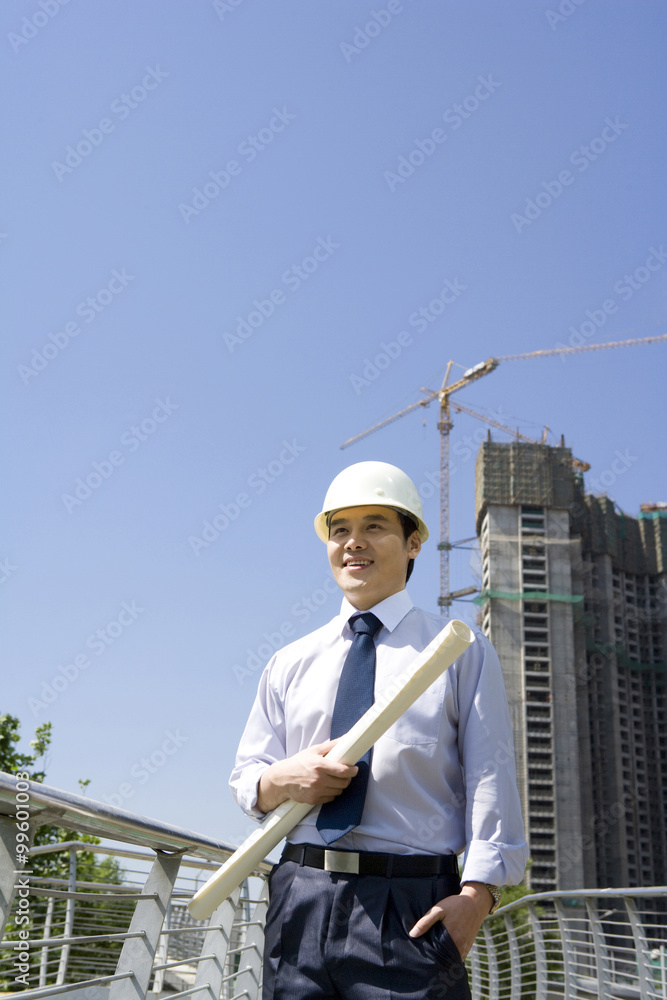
column 262, row 743
column 496, row 851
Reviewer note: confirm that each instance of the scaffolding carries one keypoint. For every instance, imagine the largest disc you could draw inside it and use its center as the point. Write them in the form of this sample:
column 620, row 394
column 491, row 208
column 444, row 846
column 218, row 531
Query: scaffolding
column 523, row 474
column 637, row 546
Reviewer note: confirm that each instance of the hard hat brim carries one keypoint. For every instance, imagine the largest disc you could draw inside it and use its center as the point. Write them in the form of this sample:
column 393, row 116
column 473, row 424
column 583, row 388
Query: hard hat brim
column 322, row 519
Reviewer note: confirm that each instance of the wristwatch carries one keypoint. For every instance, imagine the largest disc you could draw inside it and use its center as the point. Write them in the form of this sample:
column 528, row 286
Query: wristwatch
column 495, row 892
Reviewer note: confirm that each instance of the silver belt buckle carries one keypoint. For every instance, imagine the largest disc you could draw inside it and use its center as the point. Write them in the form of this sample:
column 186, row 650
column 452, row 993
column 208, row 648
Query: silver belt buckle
column 341, row 861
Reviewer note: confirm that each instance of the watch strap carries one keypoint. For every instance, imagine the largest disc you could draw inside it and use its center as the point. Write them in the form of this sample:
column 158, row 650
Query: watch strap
column 495, row 892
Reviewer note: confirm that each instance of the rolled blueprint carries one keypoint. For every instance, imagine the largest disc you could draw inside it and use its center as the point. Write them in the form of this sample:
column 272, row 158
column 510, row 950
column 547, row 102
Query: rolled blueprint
column 390, row 704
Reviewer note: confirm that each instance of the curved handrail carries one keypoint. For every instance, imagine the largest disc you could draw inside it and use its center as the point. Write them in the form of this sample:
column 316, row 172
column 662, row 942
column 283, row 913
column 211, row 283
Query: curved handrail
column 77, row 812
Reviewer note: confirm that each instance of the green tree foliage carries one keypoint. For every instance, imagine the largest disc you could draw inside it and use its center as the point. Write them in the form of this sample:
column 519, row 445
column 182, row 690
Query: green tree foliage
column 34, row 764
column 511, row 893
column 11, row 760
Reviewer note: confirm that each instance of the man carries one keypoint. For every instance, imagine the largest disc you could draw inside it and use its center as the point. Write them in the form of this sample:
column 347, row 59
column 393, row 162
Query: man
column 366, row 901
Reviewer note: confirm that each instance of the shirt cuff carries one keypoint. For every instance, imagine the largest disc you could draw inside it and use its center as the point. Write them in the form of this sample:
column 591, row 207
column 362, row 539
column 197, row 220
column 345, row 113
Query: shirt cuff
column 245, row 791
column 499, row 864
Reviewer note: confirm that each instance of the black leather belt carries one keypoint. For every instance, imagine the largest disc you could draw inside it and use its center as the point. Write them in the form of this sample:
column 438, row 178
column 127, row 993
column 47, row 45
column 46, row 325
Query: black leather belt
column 371, row 863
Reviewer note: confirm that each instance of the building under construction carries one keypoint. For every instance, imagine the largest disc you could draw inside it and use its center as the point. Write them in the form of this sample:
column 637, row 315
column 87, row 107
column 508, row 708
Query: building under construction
column 574, row 598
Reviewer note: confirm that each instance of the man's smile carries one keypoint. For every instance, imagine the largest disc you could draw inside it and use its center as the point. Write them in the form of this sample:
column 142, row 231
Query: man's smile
column 357, row 563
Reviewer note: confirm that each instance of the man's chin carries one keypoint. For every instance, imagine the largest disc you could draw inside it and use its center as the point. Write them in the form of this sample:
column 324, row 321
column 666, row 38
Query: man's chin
column 352, row 580
column 355, row 591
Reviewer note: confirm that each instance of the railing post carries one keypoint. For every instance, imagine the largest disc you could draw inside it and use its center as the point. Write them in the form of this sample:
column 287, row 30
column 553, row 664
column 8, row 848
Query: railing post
column 492, row 966
column 541, row 968
column 7, row 866
column 69, row 921
column 662, row 968
column 10, row 870
column 644, row 969
column 216, row 942
column 138, row 954
column 515, row 958
column 161, row 954
column 44, row 953
column 567, row 947
column 475, row 970
column 249, row 979
column 602, row 971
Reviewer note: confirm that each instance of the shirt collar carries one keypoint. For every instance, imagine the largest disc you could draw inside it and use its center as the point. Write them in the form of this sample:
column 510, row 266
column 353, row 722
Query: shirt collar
column 391, row 611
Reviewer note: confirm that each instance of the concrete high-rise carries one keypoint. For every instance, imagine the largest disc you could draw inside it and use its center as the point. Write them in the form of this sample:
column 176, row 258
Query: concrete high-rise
column 574, row 598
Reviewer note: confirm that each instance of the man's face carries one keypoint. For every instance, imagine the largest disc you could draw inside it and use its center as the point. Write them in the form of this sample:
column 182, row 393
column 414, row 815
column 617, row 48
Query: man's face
column 369, row 554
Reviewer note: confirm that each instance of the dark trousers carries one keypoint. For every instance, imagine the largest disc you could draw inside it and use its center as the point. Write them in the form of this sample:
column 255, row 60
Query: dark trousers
column 333, row 936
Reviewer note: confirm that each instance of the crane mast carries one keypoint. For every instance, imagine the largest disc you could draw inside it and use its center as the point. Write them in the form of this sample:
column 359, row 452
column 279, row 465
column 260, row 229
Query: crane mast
column 445, row 425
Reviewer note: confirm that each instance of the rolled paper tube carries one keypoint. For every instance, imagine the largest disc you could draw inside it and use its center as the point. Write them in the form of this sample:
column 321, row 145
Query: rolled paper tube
column 390, row 704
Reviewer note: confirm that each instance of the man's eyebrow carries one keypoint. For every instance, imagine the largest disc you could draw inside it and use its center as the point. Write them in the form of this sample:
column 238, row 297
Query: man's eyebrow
column 366, row 517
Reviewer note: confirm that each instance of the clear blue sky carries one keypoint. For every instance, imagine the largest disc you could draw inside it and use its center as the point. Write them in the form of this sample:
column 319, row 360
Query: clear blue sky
column 215, row 217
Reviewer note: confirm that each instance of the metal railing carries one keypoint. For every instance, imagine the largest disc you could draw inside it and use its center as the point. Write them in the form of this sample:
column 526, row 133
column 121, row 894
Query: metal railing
column 128, row 933
column 578, row 945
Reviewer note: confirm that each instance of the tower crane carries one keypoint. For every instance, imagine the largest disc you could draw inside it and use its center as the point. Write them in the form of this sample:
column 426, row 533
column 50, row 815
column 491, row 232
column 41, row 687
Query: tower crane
column 460, row 408
column 445, row 425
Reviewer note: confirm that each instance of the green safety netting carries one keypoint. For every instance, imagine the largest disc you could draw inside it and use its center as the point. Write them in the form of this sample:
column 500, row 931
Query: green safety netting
column 528, row 595
column 620, row 652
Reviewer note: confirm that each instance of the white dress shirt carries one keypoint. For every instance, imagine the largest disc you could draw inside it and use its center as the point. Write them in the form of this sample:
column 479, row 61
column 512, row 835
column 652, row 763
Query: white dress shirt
column 442, row 777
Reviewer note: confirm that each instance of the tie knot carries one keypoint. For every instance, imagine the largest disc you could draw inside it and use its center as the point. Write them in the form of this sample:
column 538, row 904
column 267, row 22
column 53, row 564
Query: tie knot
column 366, row 624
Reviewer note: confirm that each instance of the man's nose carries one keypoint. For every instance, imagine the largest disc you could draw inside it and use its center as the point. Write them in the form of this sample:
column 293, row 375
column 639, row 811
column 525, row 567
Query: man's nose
column 354, row 543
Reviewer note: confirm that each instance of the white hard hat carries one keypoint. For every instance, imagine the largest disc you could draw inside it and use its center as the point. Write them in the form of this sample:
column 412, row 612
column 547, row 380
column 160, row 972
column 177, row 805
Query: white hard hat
column 375, row 484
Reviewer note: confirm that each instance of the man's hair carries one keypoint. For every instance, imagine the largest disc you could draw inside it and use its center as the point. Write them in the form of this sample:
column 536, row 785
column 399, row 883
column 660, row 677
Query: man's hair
column 409, row 527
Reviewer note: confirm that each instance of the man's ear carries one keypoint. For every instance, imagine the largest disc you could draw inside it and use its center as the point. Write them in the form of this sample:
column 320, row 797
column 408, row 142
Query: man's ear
column 414, row 544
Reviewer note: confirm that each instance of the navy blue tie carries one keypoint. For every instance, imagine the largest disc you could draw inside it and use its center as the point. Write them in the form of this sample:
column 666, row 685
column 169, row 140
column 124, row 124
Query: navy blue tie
column 354, row 697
